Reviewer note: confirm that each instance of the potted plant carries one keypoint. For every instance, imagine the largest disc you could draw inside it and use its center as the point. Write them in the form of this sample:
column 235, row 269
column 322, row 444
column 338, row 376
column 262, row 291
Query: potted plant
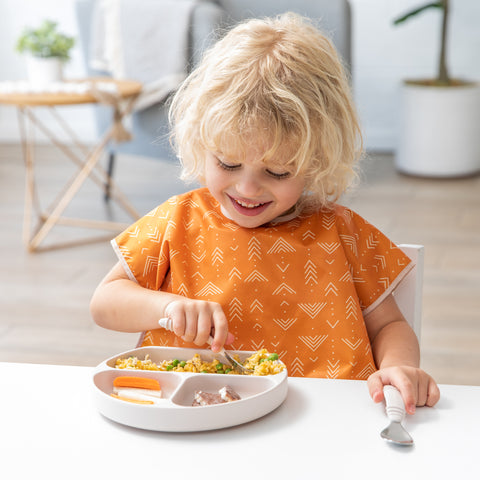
column 47, row 50
column 440, row 116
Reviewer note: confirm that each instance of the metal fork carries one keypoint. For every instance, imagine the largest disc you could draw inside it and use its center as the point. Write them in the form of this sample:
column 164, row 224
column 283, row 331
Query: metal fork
column 166, row 323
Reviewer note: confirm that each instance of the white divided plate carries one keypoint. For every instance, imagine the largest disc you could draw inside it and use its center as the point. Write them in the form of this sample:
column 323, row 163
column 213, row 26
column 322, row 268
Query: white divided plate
column 259, row 394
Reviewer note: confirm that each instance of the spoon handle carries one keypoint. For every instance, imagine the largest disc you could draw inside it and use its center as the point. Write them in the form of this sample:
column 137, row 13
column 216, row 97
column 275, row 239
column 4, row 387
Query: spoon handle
column 395, row 406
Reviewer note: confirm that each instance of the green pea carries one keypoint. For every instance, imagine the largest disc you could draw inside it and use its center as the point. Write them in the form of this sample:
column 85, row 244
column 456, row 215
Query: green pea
column 175, row 362
column 204, row 371
column 183, row 363
column 219, row 366
column 273, row 356
column 169, row 367
column 228, row 370
column 261, row 360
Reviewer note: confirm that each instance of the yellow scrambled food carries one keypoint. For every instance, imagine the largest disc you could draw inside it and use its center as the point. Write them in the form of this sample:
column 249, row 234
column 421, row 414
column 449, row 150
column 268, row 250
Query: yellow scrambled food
column 261, row 362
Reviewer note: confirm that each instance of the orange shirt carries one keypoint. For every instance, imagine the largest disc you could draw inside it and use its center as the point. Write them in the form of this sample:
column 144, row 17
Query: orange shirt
column 298, row 288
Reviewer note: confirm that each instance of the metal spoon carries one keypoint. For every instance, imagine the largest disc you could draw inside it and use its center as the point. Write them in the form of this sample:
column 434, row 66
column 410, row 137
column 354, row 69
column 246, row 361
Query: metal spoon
column 395, row 409
column 166, row 323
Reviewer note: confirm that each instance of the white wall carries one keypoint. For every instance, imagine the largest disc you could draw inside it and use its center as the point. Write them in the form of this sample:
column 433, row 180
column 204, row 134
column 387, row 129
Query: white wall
column 382, row 55
column 14, row 16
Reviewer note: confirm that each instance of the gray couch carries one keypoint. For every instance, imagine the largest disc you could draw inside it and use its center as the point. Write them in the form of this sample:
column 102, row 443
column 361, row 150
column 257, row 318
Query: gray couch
column 150, row 126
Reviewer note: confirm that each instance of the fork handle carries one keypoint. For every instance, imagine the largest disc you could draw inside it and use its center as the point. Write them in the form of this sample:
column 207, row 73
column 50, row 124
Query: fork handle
column 166, row 323
column 395, row 406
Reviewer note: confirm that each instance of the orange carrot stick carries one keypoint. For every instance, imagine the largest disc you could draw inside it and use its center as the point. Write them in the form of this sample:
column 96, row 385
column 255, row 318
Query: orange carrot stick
column 136, row 382
column 131, row 400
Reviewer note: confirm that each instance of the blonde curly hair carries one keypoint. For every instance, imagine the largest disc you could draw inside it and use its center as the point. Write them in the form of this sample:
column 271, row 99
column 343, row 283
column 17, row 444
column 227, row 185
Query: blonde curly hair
column 282, row 79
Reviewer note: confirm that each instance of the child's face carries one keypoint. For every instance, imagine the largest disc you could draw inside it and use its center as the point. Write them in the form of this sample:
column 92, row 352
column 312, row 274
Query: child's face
column 250, row 191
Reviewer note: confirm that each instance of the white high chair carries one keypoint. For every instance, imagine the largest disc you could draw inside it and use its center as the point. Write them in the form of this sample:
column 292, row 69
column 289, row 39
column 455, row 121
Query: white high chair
column 408, row 293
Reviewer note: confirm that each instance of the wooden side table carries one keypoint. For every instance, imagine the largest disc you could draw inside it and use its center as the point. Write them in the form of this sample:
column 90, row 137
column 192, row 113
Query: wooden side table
column 121, row 96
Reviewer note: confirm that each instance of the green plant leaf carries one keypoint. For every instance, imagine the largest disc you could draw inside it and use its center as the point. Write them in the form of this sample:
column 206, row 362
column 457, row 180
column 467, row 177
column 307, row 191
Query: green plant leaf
column 416, row 11
column 45, row 41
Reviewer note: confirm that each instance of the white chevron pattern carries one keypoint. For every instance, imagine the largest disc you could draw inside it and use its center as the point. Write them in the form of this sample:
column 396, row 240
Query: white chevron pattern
column 365, row 372
column 371, row 243
column 297, row 367
column 199, row 258
column 235, row 272
column 256, row 305
column 134, row 233
column 150, row 264
column 254, row 249
column 312, row 309
column 310, row 273
column 155, row 236
column 182, row 290
column 209, row 289
column 313, row 341
column 351, row 307
column 308, row 235
column 283, row 288
column 331, row 288
column 328, row 247
column 352, row 345
column 256, row 276
column 350, row 241
column 281, row 246
column 333, row 368
column 286, row 323
column 328, row 222
column 217, row 256
column 235, row 307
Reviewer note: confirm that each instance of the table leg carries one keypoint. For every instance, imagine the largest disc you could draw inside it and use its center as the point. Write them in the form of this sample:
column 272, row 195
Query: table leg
column 88, row 168
column 114, row 191
column 30, row 191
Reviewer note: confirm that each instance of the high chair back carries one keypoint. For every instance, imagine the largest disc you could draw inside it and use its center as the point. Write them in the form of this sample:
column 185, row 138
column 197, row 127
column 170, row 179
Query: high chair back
column 408, row 294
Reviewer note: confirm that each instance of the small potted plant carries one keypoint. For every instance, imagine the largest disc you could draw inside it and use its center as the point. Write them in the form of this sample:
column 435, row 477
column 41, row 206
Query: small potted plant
column 440, row 116
column 47, row 49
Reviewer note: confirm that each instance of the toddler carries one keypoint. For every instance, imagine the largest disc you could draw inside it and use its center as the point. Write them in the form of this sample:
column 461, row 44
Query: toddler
column 262, row 256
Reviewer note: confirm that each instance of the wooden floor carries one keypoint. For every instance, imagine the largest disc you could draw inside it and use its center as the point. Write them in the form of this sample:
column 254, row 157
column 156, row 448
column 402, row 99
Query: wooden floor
column 44, row 296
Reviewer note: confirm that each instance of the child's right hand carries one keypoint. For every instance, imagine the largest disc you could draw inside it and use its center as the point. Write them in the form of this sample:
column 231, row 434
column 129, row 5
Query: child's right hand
column 195, row 320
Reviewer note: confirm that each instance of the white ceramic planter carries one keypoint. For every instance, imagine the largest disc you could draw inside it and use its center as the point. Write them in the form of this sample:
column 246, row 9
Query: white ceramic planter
column 440, row 131
column 42, row 71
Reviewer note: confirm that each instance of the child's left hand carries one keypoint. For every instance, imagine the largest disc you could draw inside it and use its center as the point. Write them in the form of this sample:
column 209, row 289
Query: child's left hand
column 416, row 387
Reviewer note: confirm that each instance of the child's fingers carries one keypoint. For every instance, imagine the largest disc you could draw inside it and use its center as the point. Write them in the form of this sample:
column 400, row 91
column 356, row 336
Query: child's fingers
column 396, row 377
column 221, row 334
column 422, row 392
column 433, row 393
column 230, row 338
column 176, row 313
column 203, row 327
column 404, row 385
column 194, row 321
column 375, row 387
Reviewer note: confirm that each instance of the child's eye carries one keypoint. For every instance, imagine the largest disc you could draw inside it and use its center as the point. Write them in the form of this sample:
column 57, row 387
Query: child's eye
column 227, row 166
column 279, row 175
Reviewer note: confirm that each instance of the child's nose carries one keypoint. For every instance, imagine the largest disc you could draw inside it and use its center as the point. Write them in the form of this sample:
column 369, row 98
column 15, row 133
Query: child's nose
column 249, row 185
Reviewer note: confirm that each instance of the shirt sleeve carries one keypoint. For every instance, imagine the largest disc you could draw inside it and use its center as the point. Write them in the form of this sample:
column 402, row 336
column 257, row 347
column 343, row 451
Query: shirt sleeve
column 376, row 264
column 143, row 248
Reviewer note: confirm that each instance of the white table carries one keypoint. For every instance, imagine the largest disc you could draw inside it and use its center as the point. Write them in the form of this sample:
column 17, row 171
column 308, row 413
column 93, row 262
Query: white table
column 326, row 429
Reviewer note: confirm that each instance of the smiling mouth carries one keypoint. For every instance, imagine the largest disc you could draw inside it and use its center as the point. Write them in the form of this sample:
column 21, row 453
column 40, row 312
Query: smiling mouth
column 248, row 208
column 249, row 205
